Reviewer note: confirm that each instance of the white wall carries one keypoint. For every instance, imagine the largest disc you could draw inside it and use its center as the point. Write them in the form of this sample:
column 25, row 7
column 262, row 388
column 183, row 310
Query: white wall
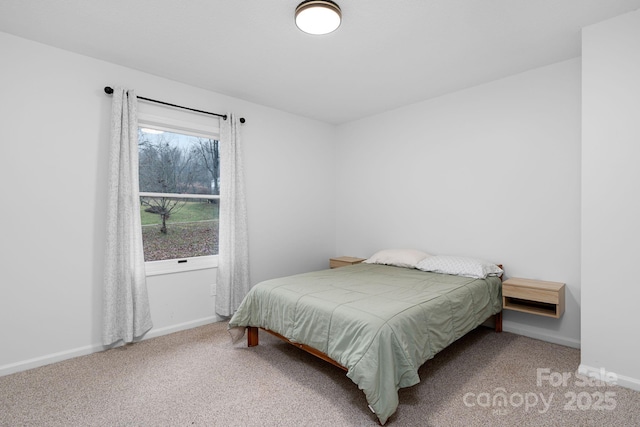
column 492, row 172
column 611, row 198
column 53, row 150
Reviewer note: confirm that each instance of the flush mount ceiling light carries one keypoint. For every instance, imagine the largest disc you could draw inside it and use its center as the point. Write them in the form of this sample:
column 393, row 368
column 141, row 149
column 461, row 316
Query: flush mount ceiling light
column 318, row 16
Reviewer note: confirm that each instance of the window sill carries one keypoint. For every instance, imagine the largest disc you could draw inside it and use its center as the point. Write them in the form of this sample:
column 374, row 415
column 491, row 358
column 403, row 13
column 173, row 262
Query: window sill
column 171, row 266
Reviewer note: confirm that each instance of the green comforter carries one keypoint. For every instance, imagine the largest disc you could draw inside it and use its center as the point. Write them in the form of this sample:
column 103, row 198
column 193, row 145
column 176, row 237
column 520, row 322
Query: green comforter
column 380, row 322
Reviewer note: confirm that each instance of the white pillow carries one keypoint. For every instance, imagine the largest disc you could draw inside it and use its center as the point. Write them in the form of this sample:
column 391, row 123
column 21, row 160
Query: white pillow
column 408, row 258
column 460, row 266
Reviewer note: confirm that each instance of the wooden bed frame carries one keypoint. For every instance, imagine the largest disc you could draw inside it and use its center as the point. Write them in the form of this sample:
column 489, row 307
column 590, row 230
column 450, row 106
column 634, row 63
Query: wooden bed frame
column 253, row 338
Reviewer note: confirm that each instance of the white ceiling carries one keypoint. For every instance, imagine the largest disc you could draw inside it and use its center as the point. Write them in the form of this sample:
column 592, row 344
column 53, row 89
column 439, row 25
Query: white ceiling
column 386, row 54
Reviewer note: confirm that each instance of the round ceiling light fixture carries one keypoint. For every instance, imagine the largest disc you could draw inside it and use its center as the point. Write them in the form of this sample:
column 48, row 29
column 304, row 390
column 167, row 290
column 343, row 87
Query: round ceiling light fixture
column 318, row 16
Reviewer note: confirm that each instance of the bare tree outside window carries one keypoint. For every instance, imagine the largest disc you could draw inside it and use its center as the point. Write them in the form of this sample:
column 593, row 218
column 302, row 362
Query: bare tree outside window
column 206, row 154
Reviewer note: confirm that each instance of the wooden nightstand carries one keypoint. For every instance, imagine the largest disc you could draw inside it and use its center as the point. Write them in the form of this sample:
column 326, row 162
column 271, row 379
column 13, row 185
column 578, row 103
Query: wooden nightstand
column 533, row 296
column 341, row 261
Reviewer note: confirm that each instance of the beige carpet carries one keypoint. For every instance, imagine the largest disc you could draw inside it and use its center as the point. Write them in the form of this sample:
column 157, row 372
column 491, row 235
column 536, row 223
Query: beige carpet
column 197, row 377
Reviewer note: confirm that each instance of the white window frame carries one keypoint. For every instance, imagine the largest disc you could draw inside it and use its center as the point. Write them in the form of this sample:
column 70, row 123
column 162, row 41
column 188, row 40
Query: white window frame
column 204, row 129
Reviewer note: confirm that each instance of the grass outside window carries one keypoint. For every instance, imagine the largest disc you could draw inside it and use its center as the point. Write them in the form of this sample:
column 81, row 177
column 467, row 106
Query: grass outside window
column 192, row 231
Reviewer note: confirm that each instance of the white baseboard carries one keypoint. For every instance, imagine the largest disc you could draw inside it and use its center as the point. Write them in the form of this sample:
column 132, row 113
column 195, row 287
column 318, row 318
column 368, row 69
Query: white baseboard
column 48, row 359
column 611, row 377
column 181, row 326
column 567, row 342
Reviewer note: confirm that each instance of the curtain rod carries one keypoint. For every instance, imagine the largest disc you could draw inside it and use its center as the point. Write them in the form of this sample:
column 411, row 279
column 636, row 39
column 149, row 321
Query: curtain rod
column 109, row 90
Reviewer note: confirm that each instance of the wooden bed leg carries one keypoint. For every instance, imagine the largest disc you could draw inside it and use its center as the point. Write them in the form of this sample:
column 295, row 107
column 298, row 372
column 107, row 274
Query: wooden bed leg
column 252, row 336
column 498, row 319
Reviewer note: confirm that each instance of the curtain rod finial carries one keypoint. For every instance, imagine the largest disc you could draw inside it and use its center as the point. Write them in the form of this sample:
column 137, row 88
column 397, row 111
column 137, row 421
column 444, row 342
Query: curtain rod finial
column 108, row 90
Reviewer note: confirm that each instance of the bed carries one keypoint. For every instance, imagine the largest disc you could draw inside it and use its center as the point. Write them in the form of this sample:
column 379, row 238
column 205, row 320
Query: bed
column 378, row 322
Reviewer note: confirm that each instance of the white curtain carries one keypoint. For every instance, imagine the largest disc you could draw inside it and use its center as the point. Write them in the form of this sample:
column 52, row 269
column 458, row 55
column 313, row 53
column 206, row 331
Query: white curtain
column 232, row 283
column 126, row 314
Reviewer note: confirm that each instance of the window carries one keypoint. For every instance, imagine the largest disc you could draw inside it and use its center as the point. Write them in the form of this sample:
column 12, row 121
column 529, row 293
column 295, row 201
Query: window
column 179, row 174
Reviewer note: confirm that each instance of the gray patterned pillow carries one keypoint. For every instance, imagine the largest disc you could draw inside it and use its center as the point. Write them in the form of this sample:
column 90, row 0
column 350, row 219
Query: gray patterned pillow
column 460, row 266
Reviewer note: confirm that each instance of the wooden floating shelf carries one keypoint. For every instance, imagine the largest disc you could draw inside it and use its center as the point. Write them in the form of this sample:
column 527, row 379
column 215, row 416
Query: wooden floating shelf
column 533, row 296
